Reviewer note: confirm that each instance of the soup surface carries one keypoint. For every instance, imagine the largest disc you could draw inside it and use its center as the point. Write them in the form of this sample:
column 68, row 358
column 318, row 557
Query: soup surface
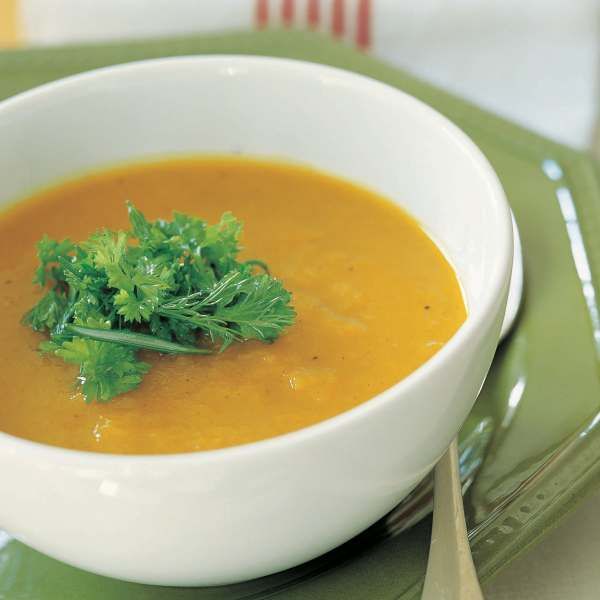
column 374, row 295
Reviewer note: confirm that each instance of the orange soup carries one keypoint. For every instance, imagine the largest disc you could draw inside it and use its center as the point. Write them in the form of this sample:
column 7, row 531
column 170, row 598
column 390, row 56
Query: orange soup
column 375, row 299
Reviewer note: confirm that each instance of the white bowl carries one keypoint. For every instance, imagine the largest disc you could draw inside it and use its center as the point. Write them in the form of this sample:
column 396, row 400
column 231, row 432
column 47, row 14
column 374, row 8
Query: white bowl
column 228, row 515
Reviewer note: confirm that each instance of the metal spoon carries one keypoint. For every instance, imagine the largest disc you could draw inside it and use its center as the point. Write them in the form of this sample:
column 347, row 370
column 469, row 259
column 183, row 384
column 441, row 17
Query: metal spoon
column 451, row 574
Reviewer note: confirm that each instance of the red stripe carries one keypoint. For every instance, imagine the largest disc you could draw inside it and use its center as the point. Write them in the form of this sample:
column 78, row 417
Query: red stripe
column 363, row 24
column 338, row 25
column 313, row 13
column 287, row 12
column 261, row 14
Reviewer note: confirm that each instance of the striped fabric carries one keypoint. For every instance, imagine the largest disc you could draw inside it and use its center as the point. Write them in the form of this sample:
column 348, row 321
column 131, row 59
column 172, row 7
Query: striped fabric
column 55, row 21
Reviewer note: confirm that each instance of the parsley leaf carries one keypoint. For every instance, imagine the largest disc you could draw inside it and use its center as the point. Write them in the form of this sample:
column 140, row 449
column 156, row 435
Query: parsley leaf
column 169, row 286
column 239, row 307
column 105, row 369
column 47, row 313
column 49, row 251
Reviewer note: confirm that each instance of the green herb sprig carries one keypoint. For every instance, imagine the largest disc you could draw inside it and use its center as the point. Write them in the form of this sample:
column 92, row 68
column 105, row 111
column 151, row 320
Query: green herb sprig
column 169, row 286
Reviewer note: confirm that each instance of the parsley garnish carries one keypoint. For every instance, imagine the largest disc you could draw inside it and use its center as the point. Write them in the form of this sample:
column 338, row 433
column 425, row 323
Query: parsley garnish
column 169, row 286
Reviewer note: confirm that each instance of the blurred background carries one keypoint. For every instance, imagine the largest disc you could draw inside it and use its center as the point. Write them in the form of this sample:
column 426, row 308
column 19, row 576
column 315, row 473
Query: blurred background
column 532, row 61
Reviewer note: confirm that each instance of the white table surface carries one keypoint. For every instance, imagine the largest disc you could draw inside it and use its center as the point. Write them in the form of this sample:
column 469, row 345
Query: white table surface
column 534, row 61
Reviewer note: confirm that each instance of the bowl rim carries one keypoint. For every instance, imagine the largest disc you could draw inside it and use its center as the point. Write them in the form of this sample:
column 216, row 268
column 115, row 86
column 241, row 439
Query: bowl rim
column 355, row 82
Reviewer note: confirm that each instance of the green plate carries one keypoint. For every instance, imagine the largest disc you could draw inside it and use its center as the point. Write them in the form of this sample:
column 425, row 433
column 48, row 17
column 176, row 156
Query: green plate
column 530, row 445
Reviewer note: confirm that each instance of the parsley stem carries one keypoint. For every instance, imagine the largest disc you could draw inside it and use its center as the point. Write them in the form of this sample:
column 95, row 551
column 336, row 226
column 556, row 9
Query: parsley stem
column 131, row 338
column 254, row 262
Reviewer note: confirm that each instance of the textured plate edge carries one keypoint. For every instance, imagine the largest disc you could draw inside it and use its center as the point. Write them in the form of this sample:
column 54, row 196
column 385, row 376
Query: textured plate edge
column 583, row 177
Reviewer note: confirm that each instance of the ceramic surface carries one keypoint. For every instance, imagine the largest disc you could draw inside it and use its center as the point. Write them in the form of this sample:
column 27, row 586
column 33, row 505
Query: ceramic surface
column 190, row 519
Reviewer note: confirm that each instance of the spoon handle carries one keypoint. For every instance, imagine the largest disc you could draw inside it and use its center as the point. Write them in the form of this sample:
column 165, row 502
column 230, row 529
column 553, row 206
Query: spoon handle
column 450, row 573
